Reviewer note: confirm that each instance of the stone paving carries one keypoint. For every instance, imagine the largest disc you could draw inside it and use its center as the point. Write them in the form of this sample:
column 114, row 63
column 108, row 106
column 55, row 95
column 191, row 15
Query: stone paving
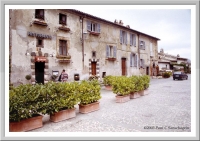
column 167, row 108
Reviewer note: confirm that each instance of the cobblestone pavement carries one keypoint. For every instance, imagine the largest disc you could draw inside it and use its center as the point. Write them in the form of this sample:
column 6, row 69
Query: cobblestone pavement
column 167, row 108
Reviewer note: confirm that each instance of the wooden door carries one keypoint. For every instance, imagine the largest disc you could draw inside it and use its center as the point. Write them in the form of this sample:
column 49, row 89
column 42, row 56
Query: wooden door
column 123, row 66
column 94, row 64
column 147, row 70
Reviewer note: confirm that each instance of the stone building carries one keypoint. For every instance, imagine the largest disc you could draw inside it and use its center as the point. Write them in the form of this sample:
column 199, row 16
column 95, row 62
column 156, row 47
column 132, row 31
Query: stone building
column 43, row 42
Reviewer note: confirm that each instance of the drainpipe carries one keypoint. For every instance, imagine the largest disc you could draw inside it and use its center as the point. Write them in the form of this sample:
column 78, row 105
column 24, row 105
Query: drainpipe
column 138, row 50
column 81, row 18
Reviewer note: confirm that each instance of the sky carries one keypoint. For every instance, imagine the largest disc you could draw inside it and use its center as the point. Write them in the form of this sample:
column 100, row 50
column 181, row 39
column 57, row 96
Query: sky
column 171, row 26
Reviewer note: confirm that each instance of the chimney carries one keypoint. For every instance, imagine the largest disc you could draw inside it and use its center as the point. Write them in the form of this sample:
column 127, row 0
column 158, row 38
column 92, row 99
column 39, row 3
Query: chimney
column 116, row 21
column 120, row 22
column 128, row 26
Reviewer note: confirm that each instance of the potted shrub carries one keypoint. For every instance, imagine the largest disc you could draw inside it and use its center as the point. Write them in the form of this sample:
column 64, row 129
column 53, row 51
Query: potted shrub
column 89, row 94
column 122, row 88
column 61, row 99
column 107, row 81
column 140, row 86
column 93, row 77
column 25, row 108
column 134, row 90
column 146, row 80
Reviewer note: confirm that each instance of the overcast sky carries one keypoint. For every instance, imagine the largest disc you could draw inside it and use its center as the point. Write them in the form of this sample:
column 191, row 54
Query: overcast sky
column 172, row 27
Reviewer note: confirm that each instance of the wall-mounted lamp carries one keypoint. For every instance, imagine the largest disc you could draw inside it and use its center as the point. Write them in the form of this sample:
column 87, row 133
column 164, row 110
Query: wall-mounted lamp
column 27, row 54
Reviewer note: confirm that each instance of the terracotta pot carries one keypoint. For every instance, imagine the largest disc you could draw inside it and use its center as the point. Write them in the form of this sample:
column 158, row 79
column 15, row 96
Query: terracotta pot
column 121, row 99
column 141, row 93
column 26, row 124
column 63, row 115
column 108, row 87
column 89, row 107
column 134, row 95
column 146, row 91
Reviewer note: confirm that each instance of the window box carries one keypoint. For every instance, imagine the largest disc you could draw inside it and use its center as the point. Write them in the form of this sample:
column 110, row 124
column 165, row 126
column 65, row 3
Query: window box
column 64, row 28
column 43, row 23
column 111, row 59
column 95, row 33
column 63, row 57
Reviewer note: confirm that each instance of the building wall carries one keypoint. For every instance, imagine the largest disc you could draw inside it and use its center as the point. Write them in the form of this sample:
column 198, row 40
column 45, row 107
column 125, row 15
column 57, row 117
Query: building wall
column 21, row 22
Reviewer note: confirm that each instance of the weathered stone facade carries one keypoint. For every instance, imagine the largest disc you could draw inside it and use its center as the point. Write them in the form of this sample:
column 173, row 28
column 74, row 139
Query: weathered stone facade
column 50, row 40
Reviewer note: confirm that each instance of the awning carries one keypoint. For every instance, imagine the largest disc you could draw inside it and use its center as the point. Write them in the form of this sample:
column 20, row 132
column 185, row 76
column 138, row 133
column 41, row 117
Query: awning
column 40, row 59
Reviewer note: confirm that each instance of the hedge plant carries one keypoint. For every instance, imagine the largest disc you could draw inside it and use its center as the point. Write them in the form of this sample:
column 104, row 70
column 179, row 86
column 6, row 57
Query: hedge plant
column 25, row 101
column 146, row 81
column 89, row 92
column 122, row 85
column 108, row 80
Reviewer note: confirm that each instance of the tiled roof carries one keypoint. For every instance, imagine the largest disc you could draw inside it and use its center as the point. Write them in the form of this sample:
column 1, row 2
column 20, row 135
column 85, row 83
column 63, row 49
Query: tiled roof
column 85, row 15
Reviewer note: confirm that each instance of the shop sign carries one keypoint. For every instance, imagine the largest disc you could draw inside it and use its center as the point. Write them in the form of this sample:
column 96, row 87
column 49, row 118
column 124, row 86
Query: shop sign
column 39, row 35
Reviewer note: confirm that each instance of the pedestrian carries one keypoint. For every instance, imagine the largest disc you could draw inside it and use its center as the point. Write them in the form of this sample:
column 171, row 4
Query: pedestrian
column 64, row 76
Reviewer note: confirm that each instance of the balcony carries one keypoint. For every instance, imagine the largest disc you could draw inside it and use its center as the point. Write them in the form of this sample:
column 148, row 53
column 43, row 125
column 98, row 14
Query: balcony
column 64, row 28
column 94, row 33
column 111, row 59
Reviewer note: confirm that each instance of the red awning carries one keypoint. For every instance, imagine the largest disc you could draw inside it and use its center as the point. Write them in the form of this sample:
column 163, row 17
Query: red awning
column 40, row 59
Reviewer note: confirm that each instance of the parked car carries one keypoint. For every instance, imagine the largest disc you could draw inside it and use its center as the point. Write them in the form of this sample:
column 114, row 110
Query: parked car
column 180, row 75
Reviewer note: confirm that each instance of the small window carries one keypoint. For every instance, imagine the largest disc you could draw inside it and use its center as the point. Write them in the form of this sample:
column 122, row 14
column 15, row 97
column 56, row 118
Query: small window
column 133, row 40
column 142, row 45
column 39, row 14
column 133, row 60
column 62, row 19
column 103, row 74
column 63, row 47
column 123, row 37
column 40, row 42
column 111, row 51
column 93, row 27
column 93, row 53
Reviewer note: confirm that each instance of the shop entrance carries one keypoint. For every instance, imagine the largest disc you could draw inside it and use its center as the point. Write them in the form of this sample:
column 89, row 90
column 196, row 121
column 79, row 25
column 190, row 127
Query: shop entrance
column 39, row 72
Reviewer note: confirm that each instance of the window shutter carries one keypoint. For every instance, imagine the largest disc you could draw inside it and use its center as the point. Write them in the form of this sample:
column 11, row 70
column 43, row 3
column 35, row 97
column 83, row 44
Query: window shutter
column 135, row 61
column 115, row 52
column 131, row 60
column 143, row 63
column 134, row 40
column 107, row 51
column 131, row 39
column 88, row 25
column 121, row 36
column 98, row 28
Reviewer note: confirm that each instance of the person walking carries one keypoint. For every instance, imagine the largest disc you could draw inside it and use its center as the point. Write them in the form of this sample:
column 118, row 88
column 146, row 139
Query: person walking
column 64, row 76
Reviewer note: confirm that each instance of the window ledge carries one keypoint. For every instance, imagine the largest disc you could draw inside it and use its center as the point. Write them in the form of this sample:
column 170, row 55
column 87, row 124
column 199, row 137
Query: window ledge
column 111, row 59
column 68, row 57
column 64, row 60
column 64, row 28
column 43, row 23
column 94, row 33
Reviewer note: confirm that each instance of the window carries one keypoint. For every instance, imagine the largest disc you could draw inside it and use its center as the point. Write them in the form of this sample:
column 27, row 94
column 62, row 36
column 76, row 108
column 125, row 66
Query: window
column 111, row 51
column 93, row 27
column 151, row 50
column 132, row 39
column 39, row 14
column 93, row 53
column 141, row 63
column 142, row 45
column 123, row 37
column 62, row 19
column 133, row 60
column 63, row 47
column 40, row 42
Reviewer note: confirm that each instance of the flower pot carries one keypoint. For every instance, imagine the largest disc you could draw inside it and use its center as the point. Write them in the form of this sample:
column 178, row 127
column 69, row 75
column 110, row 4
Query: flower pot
column 26, row 124
column 108, row 87
column 134, row 95
column 122, row 99
column 146, row 91
column 141, row 93
column 89, row 107
column 63, row 115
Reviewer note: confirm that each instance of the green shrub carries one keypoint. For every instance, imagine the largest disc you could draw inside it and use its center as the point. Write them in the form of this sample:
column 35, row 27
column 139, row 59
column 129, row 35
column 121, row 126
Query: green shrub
column 61, row 96
column 89, row 92
column 146, row 81
column 166, row 75
column 108, row 80
column 122, row 85
column 25, row 101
